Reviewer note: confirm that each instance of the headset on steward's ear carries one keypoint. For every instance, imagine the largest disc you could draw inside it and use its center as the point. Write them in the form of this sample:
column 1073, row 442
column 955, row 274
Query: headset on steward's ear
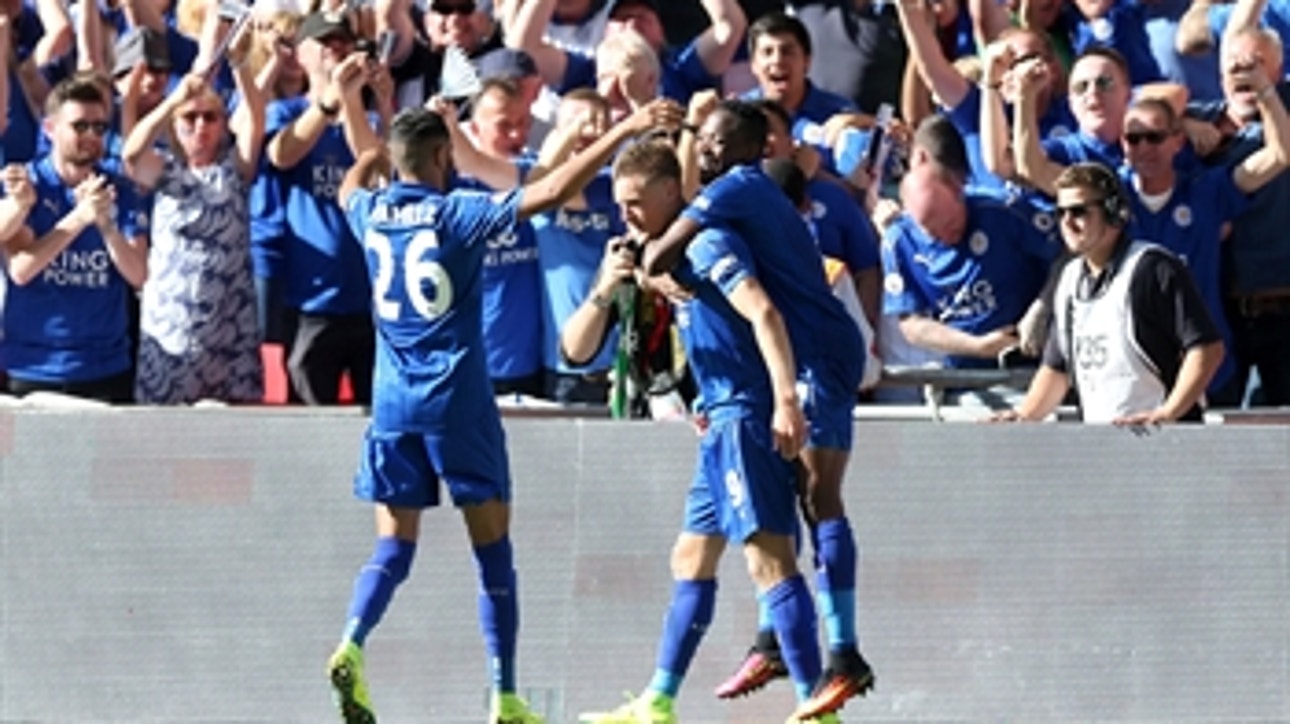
column 1114, row 199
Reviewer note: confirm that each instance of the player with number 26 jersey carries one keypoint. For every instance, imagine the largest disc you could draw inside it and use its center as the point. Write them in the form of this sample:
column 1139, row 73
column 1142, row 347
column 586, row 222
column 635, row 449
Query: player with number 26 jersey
column 425, row 251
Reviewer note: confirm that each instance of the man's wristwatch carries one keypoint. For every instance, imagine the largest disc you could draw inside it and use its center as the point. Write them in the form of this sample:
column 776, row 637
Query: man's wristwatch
column 330, row 111
column 600, row 302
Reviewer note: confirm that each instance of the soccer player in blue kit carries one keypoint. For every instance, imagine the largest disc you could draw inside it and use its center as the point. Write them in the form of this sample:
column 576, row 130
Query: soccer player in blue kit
column 434, row 416
column 744, row 488
column 830, row 356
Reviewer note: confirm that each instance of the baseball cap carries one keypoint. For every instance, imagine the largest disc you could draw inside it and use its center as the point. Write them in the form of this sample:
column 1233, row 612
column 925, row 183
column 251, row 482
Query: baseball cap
column 320, row 25
column 141, row 45
column 505, row 63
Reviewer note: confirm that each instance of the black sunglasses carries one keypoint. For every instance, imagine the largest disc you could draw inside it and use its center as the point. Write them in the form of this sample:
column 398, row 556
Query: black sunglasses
column 1155, row 138
column 208, row 117
column 98, row 128
column 453, row 8
column 1078, row 211
column 1101, row 84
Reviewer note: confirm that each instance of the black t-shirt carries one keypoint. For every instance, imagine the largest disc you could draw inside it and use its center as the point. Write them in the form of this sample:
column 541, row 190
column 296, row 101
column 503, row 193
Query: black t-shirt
column 858, row 51
column 1169, row 314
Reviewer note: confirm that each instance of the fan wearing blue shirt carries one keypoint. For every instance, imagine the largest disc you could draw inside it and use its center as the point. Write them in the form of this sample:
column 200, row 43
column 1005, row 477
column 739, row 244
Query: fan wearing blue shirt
column 513, row 333
column 830, row 355
column 75, row 246
column 963, row 100
column 1187, row 213
column 568, row 241
column 434, row 417
column 1099, row 94
column 39, row 36
column 312, row 140
column 961, row 267
column 1256, row 256
column 681, row 71
column 1121, row 26
column 779, row 47
column 743, row 487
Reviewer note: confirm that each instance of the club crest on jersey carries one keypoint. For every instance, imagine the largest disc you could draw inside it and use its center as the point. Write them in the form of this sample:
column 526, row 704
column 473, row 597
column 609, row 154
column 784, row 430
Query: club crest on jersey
column 1042, row 221
column 1182, row 215
column 979, row 243
column 818, row 210
column 893, row 283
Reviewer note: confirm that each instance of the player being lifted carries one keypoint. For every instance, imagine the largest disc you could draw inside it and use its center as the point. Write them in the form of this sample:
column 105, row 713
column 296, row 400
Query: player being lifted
column 744, row 488
column 433, row 413
column 830, row 359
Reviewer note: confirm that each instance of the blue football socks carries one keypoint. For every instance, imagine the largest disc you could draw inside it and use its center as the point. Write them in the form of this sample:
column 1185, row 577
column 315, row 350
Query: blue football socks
column 374, row 587
column 499, row 610
column 688, row 617
column 793, row 613
column 836, row 581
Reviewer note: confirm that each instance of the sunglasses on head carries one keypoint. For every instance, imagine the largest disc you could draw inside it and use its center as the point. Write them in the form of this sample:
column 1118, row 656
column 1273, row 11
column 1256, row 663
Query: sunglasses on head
column 98, row 128
column 1155, row 138
column 1101, row 84
column 208, row 117
column 1078, row 211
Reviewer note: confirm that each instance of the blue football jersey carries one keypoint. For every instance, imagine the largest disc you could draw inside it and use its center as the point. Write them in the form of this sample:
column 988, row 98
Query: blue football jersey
column 512, row 299
column 571, row 244
column 425, row 255
column 68, row 324
column 790, row 267
column 719, row 343
column 324, row 266
column 979, row 283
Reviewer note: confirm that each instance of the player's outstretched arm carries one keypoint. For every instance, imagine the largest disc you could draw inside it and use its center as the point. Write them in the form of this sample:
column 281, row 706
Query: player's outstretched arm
column 569, row 179
column 788, row 425
column 370, row 166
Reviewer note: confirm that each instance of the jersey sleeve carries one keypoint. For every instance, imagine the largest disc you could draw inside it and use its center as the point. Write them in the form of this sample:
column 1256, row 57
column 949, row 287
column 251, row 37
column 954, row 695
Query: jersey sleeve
column 721, row 258
column 474, row 216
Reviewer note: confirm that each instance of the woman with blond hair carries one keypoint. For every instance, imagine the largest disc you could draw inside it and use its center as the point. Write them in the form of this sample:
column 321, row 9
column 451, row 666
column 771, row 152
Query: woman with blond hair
column 198, row 333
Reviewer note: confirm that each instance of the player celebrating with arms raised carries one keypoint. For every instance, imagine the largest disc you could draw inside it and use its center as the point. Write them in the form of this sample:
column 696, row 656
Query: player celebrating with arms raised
column 433, row 415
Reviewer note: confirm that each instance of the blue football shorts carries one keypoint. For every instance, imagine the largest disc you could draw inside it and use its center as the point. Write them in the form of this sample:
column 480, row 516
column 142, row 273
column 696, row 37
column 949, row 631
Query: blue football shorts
column 827, row 387
column 742, row 485
column 403, row 469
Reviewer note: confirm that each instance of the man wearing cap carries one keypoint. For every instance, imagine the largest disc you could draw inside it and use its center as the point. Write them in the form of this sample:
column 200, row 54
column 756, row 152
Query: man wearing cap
column 147, row 51
column 313, row 139
column 683, row 72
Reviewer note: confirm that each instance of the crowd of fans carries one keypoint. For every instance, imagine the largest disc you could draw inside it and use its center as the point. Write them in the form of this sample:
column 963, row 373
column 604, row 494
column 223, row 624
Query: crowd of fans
column 171, row 172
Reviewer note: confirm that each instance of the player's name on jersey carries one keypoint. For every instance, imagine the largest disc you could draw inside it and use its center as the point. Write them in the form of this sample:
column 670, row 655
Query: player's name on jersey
column 417, row 213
